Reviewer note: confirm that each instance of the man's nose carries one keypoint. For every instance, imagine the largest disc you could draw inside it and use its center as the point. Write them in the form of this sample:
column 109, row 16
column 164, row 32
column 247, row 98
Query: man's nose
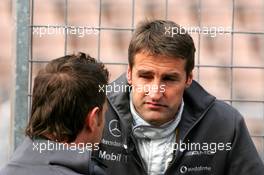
column 155, row 92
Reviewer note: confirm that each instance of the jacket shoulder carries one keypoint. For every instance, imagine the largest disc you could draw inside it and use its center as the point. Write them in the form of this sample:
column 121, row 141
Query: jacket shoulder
column 224, row 110
column 223, row 117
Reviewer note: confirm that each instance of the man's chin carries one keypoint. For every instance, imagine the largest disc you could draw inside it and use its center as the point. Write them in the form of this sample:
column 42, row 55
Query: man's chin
column 155, row 120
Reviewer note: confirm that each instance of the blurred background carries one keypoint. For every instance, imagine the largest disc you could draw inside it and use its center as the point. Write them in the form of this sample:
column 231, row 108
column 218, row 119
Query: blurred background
column 229, row 66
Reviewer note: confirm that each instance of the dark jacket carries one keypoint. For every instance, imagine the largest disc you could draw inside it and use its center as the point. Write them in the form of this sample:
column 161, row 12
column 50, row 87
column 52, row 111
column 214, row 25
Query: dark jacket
column 29, row 160
column 205, row 121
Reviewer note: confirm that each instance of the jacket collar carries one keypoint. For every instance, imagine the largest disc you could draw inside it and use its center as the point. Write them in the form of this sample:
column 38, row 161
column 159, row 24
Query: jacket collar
column 120, row 103
column 197, row 102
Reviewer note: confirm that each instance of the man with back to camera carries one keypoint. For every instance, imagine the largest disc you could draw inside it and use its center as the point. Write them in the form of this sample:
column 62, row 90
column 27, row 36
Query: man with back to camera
column 161, row 121
column 66, row 121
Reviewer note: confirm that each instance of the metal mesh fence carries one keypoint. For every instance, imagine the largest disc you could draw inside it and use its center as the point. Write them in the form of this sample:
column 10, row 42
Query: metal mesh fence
column 229, row 65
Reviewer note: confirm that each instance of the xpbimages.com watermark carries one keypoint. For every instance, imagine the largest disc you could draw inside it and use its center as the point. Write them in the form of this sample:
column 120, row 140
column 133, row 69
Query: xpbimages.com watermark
column 122, row 88
column 210, row 31
column 57, row 146
column 79, row 31
column 199, row 148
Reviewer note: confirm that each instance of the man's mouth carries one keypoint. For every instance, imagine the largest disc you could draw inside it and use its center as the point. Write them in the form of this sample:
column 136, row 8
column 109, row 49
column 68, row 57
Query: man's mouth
column 154, row 105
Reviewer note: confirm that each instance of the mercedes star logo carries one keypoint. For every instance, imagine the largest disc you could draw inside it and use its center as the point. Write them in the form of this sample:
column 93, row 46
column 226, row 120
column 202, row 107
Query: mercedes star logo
column 113, row 128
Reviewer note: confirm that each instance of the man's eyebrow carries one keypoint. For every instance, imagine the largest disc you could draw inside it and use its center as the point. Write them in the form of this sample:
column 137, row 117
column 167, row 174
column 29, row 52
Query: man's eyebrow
column 173, row 74
column 142, row 72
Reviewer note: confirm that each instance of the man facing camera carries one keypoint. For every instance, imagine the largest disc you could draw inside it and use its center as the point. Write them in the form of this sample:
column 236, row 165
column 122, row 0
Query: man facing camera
column 66, row 120
column 161, row 121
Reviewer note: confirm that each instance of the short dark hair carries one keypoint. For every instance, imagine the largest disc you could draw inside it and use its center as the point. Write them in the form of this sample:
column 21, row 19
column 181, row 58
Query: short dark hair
column 151, row 37
column 63, row 94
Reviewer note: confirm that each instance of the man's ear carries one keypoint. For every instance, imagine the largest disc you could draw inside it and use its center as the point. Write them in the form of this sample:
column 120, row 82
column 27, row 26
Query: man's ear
column 91, row 121
column 189, row 79
column 129, row 75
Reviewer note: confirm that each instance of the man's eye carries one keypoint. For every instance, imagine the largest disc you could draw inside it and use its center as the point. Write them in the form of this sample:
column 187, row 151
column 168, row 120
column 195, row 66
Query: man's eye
column 169, row 79
column 145, row 76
